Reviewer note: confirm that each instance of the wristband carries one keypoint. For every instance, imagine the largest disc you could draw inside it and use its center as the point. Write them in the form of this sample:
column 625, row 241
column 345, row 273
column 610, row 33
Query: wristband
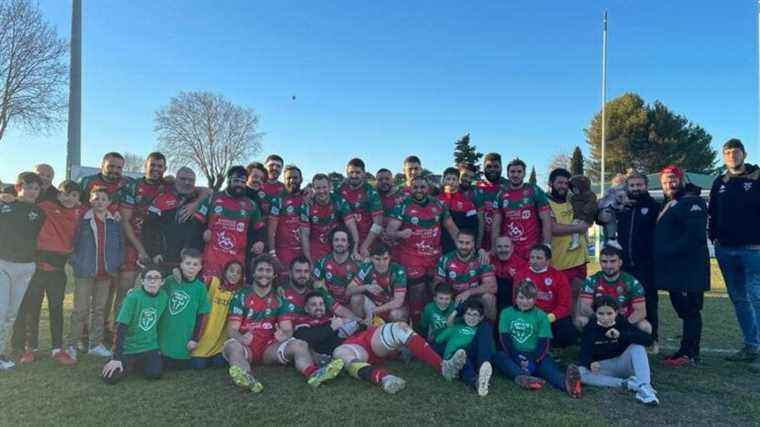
column 552, row 317
column 376, row 229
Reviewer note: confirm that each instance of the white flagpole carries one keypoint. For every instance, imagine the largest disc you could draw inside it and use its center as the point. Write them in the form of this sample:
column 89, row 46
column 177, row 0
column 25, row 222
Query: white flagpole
column 604, row 127
column 758, row 76
column 74, row 143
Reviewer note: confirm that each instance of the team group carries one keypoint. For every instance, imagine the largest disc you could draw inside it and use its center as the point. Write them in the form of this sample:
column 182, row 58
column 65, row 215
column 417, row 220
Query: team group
column 472, row 277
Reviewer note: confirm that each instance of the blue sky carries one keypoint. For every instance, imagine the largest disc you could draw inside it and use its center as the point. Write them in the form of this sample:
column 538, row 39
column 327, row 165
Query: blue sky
column 381, row 80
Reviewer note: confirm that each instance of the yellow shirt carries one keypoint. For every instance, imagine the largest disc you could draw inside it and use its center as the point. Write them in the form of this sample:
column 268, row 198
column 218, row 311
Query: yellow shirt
column 562, row 257
column 215, row 333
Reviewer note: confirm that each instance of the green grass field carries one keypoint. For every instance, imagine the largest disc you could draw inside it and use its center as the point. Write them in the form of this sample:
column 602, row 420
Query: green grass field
column 716, row 393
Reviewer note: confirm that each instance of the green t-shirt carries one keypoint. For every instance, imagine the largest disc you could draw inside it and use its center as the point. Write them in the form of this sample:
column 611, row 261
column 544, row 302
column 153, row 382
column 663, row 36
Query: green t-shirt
column 186, row 301
column 141, row 311
column 434, row 319
column 456, row 337
column 525, row 327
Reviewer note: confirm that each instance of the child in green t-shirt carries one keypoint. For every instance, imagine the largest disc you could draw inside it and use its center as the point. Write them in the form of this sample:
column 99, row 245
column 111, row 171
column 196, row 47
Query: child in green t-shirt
column 136, row 339
column 180, row 326
column 524, row 338
column 438, row 314
column 475, row 337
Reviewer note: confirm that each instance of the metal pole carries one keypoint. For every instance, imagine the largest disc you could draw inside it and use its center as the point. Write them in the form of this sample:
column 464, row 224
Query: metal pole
column 604, row 128
column 758, row 76
column 73, row 147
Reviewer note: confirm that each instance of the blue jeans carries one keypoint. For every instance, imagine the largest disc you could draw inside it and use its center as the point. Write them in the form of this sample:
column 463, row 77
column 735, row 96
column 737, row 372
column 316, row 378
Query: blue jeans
column 479, row 351
column 741, row 271
column 205, row 362
column 547, row 369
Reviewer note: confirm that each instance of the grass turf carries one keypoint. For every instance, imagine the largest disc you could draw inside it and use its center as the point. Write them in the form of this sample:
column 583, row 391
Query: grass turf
column 715, row 392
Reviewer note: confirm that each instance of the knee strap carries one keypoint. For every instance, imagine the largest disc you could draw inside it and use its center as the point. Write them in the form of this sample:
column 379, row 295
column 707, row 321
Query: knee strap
column 393, row 335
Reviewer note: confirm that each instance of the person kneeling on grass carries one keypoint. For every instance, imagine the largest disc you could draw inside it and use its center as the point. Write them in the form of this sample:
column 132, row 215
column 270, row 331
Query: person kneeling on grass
column 259, row 335
column 524, row 338
column 214, row 330
column 378, row 343
column 179, row 329
column 613, row 353
column 136, row 340
column 476, row 338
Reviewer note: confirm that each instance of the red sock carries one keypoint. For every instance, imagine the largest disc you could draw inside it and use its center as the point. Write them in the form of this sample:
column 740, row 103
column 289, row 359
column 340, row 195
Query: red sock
column 421, row 350
column 309, row 370
column 377, row 375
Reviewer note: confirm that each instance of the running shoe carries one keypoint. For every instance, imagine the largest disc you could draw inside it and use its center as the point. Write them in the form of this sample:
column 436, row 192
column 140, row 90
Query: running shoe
column 647, row 395
column 573, row 382
column 326, row 373
column 484, row 378
column 450, row 368
column 529, row 382
column 392, row 384
column 245, row 379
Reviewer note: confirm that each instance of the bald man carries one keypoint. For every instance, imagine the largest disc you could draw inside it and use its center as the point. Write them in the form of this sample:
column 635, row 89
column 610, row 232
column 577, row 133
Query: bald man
column 48, row 192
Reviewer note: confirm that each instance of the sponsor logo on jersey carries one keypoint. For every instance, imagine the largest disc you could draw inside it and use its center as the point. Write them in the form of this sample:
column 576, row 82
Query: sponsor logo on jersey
column 452, row 275
column 178, row 302
column 747, row 186
column 695, row 208
column 218, row 209
column 148, row 318
column 240, row 227
column 290, row 209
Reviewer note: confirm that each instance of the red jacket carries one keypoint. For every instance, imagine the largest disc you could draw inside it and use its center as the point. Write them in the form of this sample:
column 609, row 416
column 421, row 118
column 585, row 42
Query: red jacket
column 554, row 295
column 56, row 238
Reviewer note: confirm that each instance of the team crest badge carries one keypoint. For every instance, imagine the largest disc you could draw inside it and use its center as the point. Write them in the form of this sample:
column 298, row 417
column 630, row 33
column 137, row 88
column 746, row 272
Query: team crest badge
column 262, row 194
column 414, row 220
column 526, row 214
column 315, row 219
column 548, row 281
column 452, row 275
column 240, row 227
column 329, row 275
column 178, row 302
column 290, row 209
column 644, row 211
column 747, row 186
column 148, row 319
column 521, row 330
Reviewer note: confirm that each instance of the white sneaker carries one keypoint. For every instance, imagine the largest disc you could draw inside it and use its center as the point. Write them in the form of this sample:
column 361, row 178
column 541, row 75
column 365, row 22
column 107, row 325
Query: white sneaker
column 484, row 378
column 450, row 368
column 647, row 395
column 614, row 243
column 575, row 242
column 72, row 352
column 101, row 351
column 632, row 384
column 6, row 364
column 393, row 384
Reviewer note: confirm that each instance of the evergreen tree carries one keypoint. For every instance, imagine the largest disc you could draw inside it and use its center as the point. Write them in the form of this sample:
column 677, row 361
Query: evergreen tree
column 576, row 162
column 464, row 152
column 532, row 178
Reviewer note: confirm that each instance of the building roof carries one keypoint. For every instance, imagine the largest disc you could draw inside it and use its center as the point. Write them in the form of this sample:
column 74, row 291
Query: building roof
column 703, row 181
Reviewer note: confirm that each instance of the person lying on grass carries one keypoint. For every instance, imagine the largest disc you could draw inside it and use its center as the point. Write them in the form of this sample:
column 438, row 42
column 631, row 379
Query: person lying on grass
column 524, row 339
column 136, row 335
column 613, row 353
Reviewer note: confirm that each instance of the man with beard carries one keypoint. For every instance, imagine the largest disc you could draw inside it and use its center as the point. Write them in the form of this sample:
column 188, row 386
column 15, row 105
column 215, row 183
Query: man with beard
column 467, row 173
column 294, row 293
column 460, row 206
column 572, row 263
column 254, row 187
column 335, row 271
column 165, row 232
column 734, row 218
column 553, row 297
column 322, row 331
column 379, row 288
column 484, row 196
column 325, row 211
column 412, row 168
column 506, row 265
column 388, row 199
column 523, row 212
column 416, row 223
column 621, row 286
column 260, row 335
column 682, row 261
column 231, row 219
column 467, row 275
column 140, row 194
column 271, row 186
column 365, row 204
column 284, row 223
column 110, row 177
column 636, row 223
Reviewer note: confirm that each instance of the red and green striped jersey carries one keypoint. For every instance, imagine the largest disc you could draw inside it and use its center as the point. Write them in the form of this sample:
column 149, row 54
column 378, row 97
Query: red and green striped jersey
column 320, row 220
column 626, row 290
column 336, row 276
column 258, row 315
column 286, row 207
column 117, row 190
column 139, row 196
column 295, row 303
column 365, row 204
column 228, row 219
column 519, row 215
column 463, row 274
column 424, row 219
column 391, row 281
column 484, row 197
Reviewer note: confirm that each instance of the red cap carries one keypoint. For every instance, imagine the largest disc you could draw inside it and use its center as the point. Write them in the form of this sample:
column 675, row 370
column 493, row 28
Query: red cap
column 675, row 170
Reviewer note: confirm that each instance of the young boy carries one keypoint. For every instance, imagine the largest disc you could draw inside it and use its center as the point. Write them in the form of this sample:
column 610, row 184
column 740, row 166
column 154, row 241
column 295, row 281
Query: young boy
column 20, row 224
column 136, row 336
column 96, row 259
column 439, row 313
column 54, row 246
column 477, row 344
column 613, row 353
column 584, row 205
column 524, row 338
column 179, row 328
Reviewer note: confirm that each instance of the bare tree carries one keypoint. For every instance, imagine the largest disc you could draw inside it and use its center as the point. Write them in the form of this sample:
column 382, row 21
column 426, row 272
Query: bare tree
column 134, row 163
column 32, row 68
column 207, row 131
column 559, row 160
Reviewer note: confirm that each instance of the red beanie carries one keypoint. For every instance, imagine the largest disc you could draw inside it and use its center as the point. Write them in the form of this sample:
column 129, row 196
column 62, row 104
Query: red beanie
column 675, row 170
